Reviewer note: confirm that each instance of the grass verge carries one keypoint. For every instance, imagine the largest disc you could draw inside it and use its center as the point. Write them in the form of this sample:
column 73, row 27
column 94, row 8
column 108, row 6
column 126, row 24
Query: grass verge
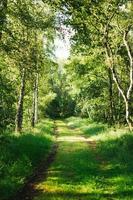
column 114, row 153
column 20, row 155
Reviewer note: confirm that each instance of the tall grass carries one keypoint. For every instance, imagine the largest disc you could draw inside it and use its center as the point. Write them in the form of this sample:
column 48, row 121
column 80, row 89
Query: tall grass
column 20, row 155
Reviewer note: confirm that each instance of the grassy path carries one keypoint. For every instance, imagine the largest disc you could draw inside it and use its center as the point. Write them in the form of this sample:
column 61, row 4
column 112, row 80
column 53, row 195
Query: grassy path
column 88, row 161
column 82, row 169
column 76, row 172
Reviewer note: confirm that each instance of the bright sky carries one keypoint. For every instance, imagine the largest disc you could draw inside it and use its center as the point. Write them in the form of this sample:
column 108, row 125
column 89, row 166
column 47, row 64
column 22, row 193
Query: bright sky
column 62, row 44
column 62, row 48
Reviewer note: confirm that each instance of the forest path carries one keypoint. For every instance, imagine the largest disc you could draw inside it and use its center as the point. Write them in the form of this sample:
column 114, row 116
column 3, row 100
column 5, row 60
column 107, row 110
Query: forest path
column 75, row 171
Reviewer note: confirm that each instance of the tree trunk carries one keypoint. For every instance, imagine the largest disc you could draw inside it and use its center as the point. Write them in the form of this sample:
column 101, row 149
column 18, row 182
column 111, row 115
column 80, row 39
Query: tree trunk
column 36, row 98
column 111, row 65
column 34, row 119
column 126, row 100
column 111, row 117
column 3, row 11
column 119, row 107
column 19, row 115
column 129, row 121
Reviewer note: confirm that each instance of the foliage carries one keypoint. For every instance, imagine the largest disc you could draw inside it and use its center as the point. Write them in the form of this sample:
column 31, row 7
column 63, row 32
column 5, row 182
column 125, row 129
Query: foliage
column 7, row 97
column 22, row 57
column 103, row 30
column 95, row 82
column 62, row 105
column 20, row 155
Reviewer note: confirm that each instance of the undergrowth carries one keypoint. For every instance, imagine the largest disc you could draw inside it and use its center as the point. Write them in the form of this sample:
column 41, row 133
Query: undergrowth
column 114, row 151
column 21, row 154
column 101, row 168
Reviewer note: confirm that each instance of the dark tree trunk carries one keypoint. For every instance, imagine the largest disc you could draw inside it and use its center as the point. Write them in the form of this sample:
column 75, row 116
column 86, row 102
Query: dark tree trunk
column 111, row 104
column 19, row 115
column 3, row 12
column 36, row 98
column 119, row 108
column 35, row 103
column 34, row 118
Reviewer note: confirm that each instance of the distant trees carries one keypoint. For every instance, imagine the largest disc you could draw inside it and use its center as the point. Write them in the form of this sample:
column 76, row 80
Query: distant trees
column 62, row 105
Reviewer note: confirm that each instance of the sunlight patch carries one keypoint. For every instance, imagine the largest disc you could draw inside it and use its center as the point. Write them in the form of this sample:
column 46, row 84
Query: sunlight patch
column 73, row 139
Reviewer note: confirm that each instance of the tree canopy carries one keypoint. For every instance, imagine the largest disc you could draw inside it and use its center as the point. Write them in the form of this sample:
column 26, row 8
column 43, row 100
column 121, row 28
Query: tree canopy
column 96, row 80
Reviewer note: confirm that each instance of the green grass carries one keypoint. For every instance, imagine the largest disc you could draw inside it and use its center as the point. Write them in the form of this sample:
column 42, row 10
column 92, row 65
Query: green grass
column 83, row 172
column 118, row 153
column 20, row 155
column 72, row 174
